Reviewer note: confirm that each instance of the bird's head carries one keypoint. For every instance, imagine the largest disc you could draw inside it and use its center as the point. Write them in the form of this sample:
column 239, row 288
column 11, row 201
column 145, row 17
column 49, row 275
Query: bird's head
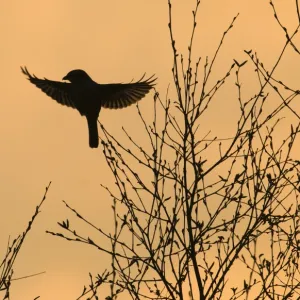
column 77, row 76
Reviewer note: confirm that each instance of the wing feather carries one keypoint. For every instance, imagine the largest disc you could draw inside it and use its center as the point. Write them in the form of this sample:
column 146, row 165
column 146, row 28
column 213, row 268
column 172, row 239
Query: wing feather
column 120, row 95
column 59, row 91
column 113, row 96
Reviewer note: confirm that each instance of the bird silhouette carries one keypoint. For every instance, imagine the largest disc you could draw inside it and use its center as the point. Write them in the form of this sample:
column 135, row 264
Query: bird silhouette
column 88, row 96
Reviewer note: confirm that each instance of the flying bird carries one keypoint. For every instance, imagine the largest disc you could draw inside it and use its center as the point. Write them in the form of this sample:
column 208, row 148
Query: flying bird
column 88, row 96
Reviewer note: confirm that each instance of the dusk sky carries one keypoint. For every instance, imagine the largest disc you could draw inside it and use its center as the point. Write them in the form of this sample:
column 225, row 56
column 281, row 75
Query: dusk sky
column 42, row 141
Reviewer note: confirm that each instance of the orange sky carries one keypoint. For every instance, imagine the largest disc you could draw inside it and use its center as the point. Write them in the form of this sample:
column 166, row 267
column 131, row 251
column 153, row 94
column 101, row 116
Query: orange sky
column 114, row 41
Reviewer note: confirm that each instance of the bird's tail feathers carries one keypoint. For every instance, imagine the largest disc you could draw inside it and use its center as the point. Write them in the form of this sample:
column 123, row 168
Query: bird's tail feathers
column 93, row 132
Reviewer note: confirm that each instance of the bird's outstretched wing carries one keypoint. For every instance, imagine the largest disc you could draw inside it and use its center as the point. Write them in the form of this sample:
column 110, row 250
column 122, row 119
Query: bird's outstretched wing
column 120, row 95
column 59, row 91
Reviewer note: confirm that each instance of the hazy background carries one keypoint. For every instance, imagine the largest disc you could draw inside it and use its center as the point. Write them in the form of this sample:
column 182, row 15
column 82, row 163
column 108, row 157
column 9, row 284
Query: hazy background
column 42, row 141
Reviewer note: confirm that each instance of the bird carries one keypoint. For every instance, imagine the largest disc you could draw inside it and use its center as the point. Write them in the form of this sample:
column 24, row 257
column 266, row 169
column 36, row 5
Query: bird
column 88, row 97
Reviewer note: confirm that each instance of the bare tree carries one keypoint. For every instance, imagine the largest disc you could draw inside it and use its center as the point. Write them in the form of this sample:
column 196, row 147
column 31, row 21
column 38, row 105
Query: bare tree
column 186, row 221
column 13, row 251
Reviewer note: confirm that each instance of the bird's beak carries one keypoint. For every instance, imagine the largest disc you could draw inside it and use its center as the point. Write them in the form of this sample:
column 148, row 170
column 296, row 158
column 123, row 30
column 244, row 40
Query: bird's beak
column 65, row 78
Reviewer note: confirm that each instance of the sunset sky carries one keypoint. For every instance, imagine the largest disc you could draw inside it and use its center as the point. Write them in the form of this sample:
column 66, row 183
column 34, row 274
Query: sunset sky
column 42, row 141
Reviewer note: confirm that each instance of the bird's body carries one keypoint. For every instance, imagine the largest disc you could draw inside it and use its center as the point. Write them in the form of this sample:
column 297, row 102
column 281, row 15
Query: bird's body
column 87, row 96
